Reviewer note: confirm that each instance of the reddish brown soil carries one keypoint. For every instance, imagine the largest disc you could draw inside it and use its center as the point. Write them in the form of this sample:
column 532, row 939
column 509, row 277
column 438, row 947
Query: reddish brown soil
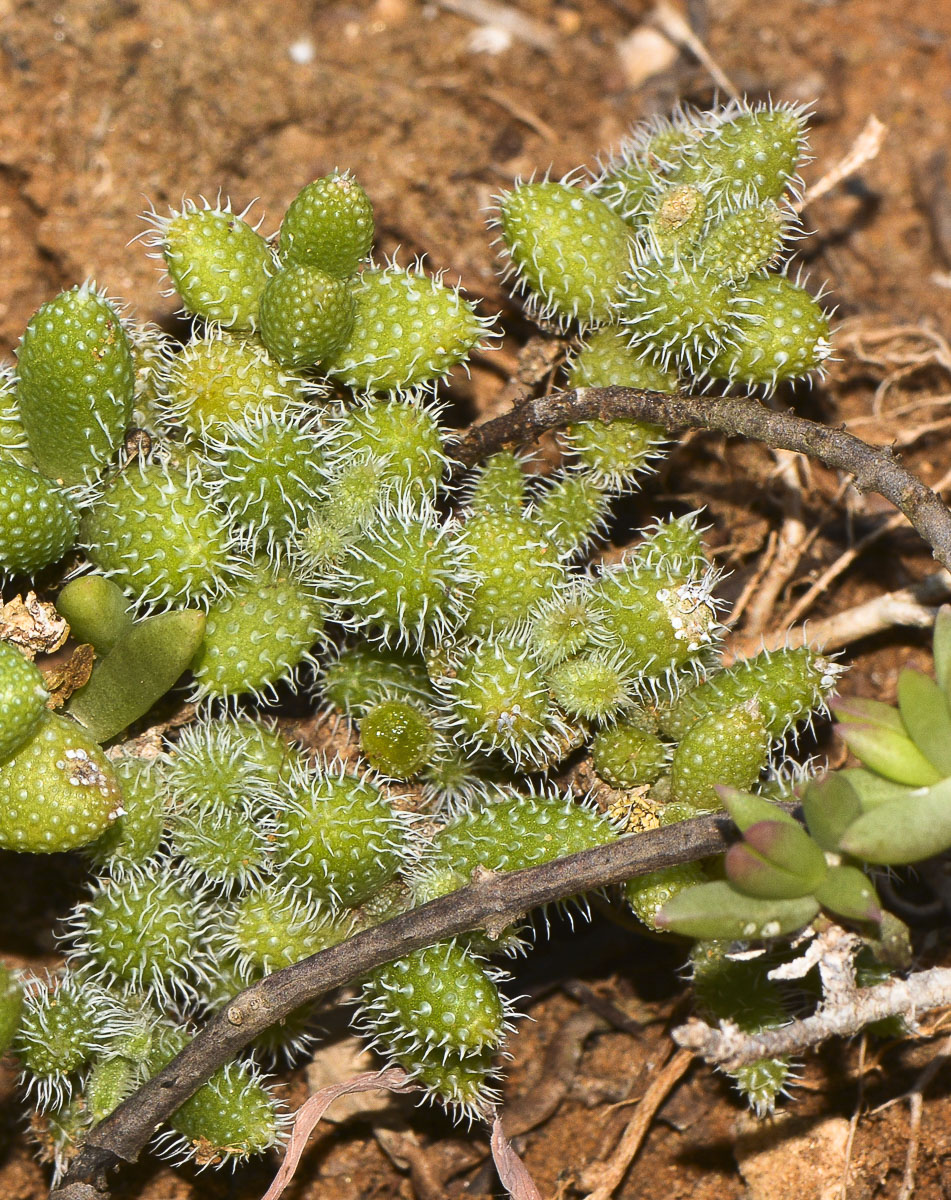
column 111, row 104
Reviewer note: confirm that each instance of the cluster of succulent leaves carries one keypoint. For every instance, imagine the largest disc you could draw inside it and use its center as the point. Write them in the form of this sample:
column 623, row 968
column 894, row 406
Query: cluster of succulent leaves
column 675, row 247
column 281, row 521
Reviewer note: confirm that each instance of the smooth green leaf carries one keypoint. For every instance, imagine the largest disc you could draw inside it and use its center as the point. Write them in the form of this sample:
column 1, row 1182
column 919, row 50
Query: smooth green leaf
column 904, row 830
column 754, row 875
column 830, row 805
column 891, row 754
column 97, row 611
column 851, row 709
column 716, row 910
column 871, row 789
column 927, row 718
column 849, row 893
column 788, row 847
column 139, row 670
column 942, row 649
column 746, row 809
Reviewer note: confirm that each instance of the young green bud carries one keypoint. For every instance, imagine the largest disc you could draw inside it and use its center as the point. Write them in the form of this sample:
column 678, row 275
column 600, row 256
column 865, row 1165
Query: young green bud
column 787, row 685
column 306, row 316
column 37, row 522
column 659, row 623
column 408, row 330
column 258, row 636
column 61, row 1027
column 435, row 998
column 361, row 675
column 593, row 686
column 745, row 241
column 498, row 486
column 626, row 755
column 402, row 438
column 615, row 454
column 749, row 158
column 156, row 534
column 218, row 377
column 605, row 359
column 217, row 263
column 674, row 546
column 397, row 738
column 459, row 1081
column 228, row 762
column 728, row 748
column 265, row 473
column 57, row 791
column 561, row 626
column 226, row 846
column 679, row 312
column 144, row 929
column 568, row 251
column 13, row 443
column 76, row 382
column 338, row 835
column 626, row 186
column 514, row 832
column 23, row 699
column 274, row 924
column 572, row 514
column 329, row 225
column 781, row 333
column 515, row 569
column 135, row 836
column 152, row 355
column 230, row 1118
column 498, row 700
column 404, row 578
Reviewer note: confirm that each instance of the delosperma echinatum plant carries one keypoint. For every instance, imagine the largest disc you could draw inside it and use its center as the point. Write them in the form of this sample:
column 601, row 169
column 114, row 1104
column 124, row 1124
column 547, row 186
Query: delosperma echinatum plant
column 287, row 526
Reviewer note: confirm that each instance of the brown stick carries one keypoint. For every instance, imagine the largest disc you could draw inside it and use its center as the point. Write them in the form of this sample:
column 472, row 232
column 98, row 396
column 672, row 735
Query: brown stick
column 875, row 469
column 492, row 902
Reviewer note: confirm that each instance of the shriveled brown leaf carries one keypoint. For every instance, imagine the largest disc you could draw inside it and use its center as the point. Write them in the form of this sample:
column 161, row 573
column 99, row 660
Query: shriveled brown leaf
column 62, row 681
column 32, row 624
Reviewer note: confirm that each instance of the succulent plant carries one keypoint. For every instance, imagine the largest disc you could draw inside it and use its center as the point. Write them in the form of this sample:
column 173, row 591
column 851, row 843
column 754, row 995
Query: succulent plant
column 461, row 638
